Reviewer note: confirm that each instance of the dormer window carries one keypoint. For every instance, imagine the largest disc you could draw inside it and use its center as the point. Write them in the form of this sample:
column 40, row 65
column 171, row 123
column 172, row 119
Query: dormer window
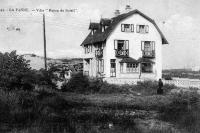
column 142, row 29
column 93, row 31
column 94, row 27
column 104, row 22
column 103, row 28
column 127, row 27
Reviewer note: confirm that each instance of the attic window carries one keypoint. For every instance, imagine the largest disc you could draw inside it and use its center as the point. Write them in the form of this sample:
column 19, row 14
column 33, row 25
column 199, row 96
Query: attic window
column 127, row 27
column 93, row 31
column 142, row 29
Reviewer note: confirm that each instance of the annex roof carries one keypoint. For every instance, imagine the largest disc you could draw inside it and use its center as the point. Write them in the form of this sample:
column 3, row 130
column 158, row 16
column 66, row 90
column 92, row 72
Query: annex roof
column 145, row 60
column 128, row 60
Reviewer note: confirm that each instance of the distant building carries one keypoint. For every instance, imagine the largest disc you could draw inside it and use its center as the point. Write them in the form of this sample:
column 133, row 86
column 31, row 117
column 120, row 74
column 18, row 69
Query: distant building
column 196, row 68
column 126, row 46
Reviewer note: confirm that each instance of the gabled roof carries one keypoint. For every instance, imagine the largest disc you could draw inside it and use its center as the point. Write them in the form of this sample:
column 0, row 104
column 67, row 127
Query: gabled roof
column 100, row 36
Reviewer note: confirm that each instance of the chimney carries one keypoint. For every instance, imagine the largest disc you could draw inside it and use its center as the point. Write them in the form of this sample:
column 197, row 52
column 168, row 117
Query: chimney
column 128, row 8
column 117, row 13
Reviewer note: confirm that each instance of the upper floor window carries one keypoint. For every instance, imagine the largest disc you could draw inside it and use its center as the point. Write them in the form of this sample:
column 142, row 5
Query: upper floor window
column 148, row 48
column 88, row 49
column 127, row 27
column 142, row 29
column 121, row 48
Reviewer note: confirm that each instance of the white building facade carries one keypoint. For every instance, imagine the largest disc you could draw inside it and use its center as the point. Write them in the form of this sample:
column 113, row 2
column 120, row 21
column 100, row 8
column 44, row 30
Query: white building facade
column 128, row 46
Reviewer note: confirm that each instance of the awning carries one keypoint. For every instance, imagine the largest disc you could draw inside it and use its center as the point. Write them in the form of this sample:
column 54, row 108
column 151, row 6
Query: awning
column 128, row 60
column 145, row 60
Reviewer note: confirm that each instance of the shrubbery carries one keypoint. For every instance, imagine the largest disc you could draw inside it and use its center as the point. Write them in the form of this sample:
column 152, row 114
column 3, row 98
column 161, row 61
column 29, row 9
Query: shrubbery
column 183, row 111
column 82, row 84
column 15, row 73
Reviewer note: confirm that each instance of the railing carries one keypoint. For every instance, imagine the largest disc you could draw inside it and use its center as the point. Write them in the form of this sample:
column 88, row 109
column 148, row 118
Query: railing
column 148, row 54
column 121, row 53
column 99, row 53
column 185, row 83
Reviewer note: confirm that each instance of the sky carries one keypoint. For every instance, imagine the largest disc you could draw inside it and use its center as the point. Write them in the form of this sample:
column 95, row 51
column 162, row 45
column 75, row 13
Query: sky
column 179, row 20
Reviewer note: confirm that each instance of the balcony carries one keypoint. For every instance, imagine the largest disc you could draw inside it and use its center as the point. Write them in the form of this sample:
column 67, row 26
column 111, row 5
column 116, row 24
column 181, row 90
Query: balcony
column 121, row 53
column 148, row 54
column 99, row 53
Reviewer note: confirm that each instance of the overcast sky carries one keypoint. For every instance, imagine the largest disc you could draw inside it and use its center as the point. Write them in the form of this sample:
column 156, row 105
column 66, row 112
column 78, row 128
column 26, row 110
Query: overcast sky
column 179, row 20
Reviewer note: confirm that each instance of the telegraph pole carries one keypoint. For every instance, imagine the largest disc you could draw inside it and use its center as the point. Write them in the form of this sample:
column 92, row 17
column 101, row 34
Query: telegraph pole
column 44, row 35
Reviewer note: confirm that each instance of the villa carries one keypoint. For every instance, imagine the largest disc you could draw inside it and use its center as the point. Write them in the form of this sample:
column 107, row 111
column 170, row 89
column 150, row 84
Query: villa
column 126, row 47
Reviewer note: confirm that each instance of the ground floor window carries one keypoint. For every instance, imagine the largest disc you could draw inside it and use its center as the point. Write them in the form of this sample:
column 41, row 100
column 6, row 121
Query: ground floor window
column 131, row 67
column 100, row 66
column 121, row 67
column 147, row 67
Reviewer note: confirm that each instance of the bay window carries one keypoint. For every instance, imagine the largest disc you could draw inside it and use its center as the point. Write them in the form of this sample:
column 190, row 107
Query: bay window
column 131, row 67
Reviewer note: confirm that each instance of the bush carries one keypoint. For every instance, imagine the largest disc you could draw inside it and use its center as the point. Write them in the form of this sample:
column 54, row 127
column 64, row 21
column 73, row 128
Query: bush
column 112, row 88
column 77, row 83
column 183, row 111
column 15, row 72
column 81, row 84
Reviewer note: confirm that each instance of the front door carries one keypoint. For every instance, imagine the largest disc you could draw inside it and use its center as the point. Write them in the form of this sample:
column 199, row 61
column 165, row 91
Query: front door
column 112, row 68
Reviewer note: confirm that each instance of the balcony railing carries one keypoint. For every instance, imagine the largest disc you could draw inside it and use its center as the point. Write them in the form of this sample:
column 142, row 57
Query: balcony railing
column 148, row 54
column 99, row 53
column 121, row 53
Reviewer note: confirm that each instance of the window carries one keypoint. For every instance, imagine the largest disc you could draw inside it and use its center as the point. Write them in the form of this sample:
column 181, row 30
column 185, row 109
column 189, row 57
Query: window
column 148, row 48
column 112, row 68
column 148, row 45
column 147, row 67
column 121, row 47
column 142, row 29
column 127, row 27
column 88, row 49
column 121, row 67
column 100, row 66
column 131, row 67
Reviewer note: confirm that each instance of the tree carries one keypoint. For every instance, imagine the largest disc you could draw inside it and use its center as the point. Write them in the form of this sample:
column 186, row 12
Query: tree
column 15, row 72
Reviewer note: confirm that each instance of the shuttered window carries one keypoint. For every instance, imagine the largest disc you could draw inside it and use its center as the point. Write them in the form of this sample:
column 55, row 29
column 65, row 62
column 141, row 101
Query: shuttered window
column 148, row 45
column 142, row 29
column 127, row 27
column 121, row 44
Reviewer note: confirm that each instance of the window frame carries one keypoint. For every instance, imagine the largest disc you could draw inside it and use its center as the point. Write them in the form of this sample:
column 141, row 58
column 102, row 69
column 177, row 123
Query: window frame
column 151, row 64
column 128, row 30
column 125, row 44
column 100, row 66
column 113, row 73
column 152, row 45
column 145, row 30
column 132, row 68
